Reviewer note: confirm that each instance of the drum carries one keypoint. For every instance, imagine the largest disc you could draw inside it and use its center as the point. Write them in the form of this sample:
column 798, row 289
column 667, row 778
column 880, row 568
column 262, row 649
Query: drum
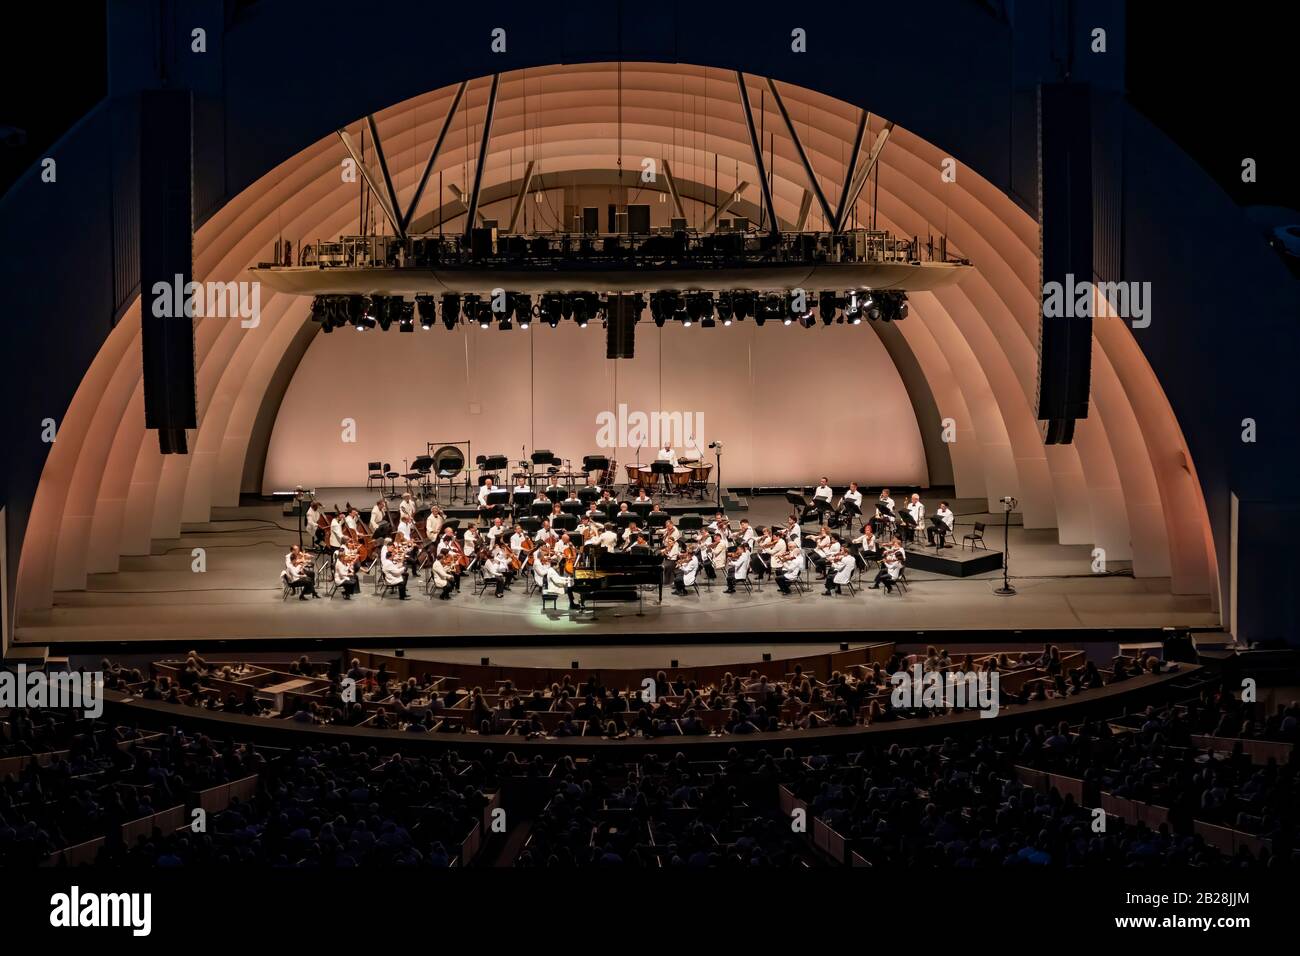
column 681, row 478
column 701, row 473
column 634, row 476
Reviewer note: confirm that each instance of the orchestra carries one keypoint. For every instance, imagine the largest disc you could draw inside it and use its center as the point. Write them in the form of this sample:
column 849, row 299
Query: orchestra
column 504, row 545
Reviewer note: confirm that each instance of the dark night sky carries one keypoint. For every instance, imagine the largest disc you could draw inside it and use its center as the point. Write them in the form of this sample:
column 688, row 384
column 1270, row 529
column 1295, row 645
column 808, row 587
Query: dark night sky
column 1223, row 87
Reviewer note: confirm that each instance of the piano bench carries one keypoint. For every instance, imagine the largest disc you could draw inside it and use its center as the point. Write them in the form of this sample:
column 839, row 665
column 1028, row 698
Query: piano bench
column 553, row 598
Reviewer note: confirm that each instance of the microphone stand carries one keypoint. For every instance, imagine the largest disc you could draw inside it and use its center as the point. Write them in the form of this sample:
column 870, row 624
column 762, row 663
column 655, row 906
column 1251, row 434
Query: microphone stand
column 1006, row 590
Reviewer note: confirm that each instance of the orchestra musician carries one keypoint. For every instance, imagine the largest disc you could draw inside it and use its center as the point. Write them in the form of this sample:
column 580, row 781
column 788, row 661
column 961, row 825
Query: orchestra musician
column 737, row 567
column 393, row 571
column 495, row 531
column 521, row 485
column 552, row 582
column 353, row 526
column 545, row 537
column 867, row 545
column 337, row 530
column 443, row 571
column 851, row 497
column 793, row 533
column 687, row 567
column 821, row 501
column 608, row 538
column 827, row 549
column 299, row 573
column 746, row 533
column 630, row 534
column 839, row 570
column 433, row 524
column 891, row 566
column 641, row 497
column 787, row 567
column 345, row 573
column 497, row 571
column 937, row 535
column 485, row 489
column 666, row 454
column 916, row 511
column 770, row 547
column 714, row 555
column 378, row 514
column 315, row 511
column 640, row 545
column 406, row 508
column 884, row 519
column 471, row 539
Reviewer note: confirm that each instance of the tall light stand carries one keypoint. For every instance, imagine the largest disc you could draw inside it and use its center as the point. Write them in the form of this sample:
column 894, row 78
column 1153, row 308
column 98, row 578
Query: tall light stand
column 717, row 455
column 1006, row 590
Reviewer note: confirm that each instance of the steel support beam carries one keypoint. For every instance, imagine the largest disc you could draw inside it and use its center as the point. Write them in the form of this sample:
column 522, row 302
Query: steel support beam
column 383, row 168
column 853, row 168
column 864, row 175
column 482, row 153
column 805, row 205
column 464, row 203
column 672, row 191
column 523, row 194
column 803, row 156
column 758, row 153
column 380, row 197
column 724, row 206
column 433, row 156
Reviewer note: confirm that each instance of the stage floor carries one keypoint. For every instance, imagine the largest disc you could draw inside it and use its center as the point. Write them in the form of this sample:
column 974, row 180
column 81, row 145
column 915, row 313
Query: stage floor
column 159, row 598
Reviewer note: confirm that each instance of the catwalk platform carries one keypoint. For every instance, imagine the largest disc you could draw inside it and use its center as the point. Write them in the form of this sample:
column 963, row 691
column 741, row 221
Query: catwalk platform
column 158, row 598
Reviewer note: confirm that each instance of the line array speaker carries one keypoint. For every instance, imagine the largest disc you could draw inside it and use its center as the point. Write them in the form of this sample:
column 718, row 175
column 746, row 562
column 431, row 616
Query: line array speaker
column 166, row 267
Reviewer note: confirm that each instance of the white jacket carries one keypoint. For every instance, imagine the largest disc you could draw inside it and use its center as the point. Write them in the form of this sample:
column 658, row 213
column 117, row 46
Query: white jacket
column 394, row 573
column 689, row 570
column 843, row 570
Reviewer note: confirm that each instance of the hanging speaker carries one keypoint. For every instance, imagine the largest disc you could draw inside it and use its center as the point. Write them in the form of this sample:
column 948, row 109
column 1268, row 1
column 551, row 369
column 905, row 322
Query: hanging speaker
column 166, row 267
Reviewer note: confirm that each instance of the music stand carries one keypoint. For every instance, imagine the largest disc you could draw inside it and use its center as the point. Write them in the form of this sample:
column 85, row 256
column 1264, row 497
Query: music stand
column 943, row 530
column 664, row 469
column 640, row 508
column 853, row 511
column 909, row 523
column 554, row 495
column 565, row 522
column 587, row 494
column 524, row 500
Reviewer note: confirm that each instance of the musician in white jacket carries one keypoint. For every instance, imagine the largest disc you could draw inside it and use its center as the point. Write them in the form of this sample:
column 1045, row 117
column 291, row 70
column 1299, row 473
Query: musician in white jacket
column 838, row 572
column 788, row 568
column 938, row 535
column 443, row 578
column 299, row 574
column 552, row 582
column 685, row 575
column 345, row 576
column 336, row 531
column 737, row 567
column 394, row 573
column 916, row 510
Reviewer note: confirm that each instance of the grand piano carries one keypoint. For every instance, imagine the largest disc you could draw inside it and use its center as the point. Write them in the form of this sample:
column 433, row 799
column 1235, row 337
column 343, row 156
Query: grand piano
column 615, row 577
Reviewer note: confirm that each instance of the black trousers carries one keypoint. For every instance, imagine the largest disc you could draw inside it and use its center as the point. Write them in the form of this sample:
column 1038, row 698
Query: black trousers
column 350, row 587
column 307, row 587
column 784, row 581
column 882, row 577
column 934, row 533
column 679, row 582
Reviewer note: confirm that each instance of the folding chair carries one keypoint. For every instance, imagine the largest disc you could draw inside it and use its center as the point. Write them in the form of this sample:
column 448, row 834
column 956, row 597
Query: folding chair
column 976, row 538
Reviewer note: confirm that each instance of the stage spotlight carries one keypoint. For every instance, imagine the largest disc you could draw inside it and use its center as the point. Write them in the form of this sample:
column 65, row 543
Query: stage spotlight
column 359, row 313
column 591, row 308
column 580, row 311
column 744, row 305
column 450, row 310
column 854, row 309
column 699, row 306
column 725, row 308
column 469, row 307
column 566, row 307
column 505, row 325
column 523, row 309
column 405, row 316
column 484, row 315
column 427, row 311
column 826, row 306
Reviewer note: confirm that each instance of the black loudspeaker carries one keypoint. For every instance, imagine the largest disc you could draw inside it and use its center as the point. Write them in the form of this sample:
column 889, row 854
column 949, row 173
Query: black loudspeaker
column 166, row 267
column 1065, row 223
column 638, row 219
column 620, row 326
column 590, row 220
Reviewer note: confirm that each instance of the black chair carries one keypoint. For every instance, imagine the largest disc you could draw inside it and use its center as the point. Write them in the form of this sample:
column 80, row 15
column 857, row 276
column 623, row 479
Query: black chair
column 374, row 472
column 976, row 538
column 392, row 476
